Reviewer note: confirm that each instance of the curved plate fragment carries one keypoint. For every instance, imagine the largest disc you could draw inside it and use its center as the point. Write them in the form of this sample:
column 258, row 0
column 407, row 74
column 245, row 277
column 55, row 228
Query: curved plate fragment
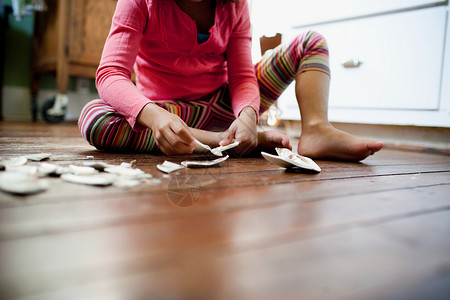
column 21, row 183
column 169, row 167
column 124, row 171
column 288, row 159
column 218, row 150
column 203, row 163
column 38, row 156
column 101, row 179
column 82, row 170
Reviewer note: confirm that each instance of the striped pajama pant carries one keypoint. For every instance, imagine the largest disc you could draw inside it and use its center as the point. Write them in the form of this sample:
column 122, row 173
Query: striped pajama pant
column 106, row 129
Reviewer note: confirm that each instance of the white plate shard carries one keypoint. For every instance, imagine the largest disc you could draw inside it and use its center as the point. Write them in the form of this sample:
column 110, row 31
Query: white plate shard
column 82, row 170
column 13, row 162
column 98, row 165
column 203, row 163
column 124, row 171
column 169, row 167
column 101, row 179
column 126, row 182
column 25, row 169
column 21, row 184
column 288, row 159
column 198, row 143
column 128, row 165
column 218, row 150
column 38, row 156
column 46, row 169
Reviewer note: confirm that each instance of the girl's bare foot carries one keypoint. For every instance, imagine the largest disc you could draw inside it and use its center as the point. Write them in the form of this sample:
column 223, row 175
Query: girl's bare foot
column 327, row 142
column 269, row 140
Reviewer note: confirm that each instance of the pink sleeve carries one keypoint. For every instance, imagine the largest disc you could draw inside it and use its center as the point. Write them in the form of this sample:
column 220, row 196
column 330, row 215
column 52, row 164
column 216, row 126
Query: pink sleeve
column 113, row 78
column 243, row 85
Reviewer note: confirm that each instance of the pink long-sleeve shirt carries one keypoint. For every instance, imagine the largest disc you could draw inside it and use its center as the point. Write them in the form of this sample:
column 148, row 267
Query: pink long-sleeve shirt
column 160, row 41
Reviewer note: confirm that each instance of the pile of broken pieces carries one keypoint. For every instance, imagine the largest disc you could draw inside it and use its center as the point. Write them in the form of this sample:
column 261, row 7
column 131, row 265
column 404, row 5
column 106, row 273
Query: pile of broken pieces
column 25, row 175
column 20, row 177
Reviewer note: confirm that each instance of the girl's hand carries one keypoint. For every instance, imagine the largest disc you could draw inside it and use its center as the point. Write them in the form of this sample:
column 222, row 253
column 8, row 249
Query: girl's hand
column 171, row 134
column 243, row 129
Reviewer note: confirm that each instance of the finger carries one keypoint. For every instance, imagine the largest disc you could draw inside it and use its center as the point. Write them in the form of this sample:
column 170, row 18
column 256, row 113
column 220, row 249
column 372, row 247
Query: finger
column 229, row 136
column 286, row 143
column 166, row 141
column 183, row 133
column 163, row 144
column 176, row 145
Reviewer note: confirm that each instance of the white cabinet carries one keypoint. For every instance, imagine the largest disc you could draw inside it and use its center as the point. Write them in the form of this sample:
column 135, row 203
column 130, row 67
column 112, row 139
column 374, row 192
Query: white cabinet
column 401, row 70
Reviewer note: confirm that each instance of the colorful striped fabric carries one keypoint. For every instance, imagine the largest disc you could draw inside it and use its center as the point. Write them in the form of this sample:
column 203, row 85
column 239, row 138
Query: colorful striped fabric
column 105, row 129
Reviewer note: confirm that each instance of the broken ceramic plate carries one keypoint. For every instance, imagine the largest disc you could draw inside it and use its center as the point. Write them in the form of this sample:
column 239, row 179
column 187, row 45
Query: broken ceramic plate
column 124, row 171
column 38, row 156
column 47, row 169
column 169, row 167
column 25, row 169
column 98, row 165
column 21, row 183
column 203, row 163
column 288, row 159
column 126, row 182
column 197, row 142
column 128, row 165
column 101, row 179
column 82, row 170
column 13, row 162
column 218, row 150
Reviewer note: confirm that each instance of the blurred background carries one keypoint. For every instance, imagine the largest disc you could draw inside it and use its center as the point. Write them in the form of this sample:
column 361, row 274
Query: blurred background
column 390, row 61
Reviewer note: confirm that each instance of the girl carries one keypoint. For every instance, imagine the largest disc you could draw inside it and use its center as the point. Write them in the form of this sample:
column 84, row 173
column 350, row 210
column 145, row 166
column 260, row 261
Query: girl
column 195, row 80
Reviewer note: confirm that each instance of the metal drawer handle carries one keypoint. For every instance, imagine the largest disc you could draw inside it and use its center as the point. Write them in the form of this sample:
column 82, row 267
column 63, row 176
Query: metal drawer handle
column 352, row 63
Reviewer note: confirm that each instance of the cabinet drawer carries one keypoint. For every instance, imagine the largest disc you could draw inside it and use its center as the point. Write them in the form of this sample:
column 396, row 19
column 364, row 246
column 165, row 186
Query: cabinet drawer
column 401, row 59
column 311, row 12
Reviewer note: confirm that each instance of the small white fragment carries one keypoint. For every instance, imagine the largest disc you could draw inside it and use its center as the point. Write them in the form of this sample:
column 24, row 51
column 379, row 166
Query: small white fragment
column 203, row 163
column 38, row 156
column 169, row 167
column 144, row 176
column 21, row 184
column 124, row 171
column 90, row 157
column 126, row 182
column 98, row 165
column 82, row 170
column 101, row 179
column 16, row 161
column 24, row 169
column 45, row 169
column 153, row 181
column 126, row 165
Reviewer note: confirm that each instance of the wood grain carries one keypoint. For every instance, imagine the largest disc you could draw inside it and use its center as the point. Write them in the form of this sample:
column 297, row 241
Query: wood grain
column 372, row 230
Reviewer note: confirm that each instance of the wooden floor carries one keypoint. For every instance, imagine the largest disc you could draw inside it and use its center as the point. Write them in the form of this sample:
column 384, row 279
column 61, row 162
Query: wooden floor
column 246, row 230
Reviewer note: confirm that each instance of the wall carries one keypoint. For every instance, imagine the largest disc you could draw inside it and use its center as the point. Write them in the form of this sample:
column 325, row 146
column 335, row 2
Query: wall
column 16, row 85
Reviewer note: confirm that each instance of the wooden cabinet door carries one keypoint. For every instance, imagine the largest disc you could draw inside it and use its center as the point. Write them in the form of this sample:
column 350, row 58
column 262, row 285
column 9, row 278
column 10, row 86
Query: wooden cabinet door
column 89, row 24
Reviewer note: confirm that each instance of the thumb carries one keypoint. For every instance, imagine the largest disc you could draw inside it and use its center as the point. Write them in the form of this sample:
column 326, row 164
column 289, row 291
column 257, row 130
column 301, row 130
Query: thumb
column 229, row 135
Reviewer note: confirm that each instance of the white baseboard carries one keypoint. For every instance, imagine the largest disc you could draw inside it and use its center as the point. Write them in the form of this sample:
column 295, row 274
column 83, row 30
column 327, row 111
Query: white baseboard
column 17, row 103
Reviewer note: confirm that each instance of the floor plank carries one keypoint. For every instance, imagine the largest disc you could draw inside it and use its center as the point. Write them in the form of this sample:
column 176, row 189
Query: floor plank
column 372, row 230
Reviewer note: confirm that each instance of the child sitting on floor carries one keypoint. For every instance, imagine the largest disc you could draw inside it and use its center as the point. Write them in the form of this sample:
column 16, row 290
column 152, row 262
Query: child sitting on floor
column 195, row 80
